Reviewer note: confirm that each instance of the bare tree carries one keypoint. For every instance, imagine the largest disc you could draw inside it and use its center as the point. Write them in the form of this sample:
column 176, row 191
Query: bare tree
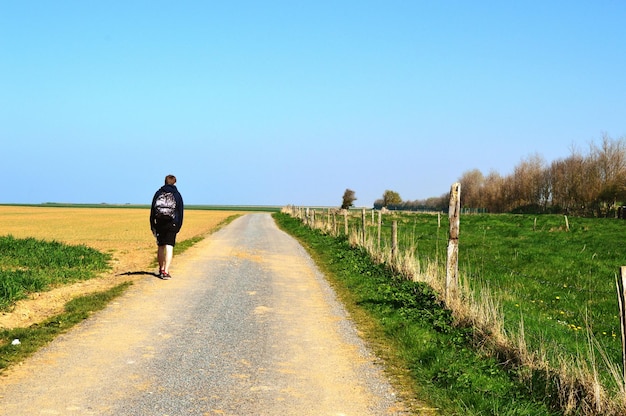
column 608, row 163
column 471, row 183
column 610, row 159
column 567, row 183
column 491, row 195
column 528, row 182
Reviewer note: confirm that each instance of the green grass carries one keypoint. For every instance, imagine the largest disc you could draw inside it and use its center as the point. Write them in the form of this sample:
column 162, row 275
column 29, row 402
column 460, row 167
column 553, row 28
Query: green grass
column 559, row 282
column 408, row 327
column 31, row 265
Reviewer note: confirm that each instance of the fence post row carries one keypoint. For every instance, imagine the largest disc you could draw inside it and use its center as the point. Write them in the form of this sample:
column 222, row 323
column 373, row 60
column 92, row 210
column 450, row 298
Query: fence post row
column 452, row 263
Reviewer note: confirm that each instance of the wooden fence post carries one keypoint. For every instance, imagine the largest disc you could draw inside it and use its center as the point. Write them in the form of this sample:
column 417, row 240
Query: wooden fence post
column 394, row 239
column 363, row 227
column 621, row 299
column 452, row 264
column 380, row 224
column 566, row 224
column 328, row 219
column 345, row 222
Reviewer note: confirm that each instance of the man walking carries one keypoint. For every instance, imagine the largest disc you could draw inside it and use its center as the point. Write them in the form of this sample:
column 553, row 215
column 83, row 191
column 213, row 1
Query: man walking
column 166, row 219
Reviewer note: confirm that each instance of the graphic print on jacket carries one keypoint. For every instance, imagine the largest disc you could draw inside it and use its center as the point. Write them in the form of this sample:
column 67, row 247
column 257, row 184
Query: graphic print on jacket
column 165, row 205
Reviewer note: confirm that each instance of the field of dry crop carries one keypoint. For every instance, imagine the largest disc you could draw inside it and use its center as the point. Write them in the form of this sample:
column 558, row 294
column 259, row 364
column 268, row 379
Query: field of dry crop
column 122, row 232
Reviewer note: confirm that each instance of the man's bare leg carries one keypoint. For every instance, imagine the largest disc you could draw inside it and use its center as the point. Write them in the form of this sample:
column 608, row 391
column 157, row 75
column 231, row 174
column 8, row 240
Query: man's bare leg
column 168, row 255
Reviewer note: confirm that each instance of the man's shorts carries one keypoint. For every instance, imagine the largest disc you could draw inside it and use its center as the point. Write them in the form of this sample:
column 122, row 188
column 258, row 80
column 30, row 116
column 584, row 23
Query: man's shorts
column 166, row 233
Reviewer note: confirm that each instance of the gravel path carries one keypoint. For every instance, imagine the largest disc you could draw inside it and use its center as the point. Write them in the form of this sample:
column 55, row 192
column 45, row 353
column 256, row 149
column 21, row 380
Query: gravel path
column 247, row 326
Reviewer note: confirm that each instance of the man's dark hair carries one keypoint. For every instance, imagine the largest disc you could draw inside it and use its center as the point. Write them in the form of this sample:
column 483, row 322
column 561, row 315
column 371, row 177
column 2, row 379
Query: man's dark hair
column 170, row 180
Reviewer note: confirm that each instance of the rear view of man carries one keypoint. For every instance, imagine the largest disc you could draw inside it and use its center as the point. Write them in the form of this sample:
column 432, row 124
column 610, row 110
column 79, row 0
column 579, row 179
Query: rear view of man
column 166, row 219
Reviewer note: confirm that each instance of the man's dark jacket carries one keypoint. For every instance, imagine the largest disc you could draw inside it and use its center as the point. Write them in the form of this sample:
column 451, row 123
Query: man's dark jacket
column 178, row 213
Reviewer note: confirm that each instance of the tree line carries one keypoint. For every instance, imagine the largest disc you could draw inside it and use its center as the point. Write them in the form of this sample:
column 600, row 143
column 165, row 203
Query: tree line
column 585, row 184
column 591, row 184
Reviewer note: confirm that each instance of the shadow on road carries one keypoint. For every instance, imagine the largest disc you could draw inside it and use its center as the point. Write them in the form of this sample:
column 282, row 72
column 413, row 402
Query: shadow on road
column 139, row 273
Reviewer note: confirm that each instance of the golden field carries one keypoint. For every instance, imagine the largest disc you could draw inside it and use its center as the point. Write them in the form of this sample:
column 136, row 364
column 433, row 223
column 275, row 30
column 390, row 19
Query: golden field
column 122, row 232
column 119, row 231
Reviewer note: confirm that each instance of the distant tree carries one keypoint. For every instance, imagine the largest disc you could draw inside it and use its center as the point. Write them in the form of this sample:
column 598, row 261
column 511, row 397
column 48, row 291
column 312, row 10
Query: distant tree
column 529, row 183
column 391, row 198
column 471, row 184
column 609, row 164
column 570, row 179
column 492, row 194
column 348, row 199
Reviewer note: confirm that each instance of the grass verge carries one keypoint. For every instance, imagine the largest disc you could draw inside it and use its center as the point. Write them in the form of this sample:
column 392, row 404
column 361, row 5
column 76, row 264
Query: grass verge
column 38, row 335
column 30, row 265
column 404, row 323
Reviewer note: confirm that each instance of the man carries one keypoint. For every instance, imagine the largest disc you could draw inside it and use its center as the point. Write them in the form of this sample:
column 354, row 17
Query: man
column 166, row 219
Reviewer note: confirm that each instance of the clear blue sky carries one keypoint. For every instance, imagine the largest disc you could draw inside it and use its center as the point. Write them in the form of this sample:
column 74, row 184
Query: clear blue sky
column 291, row 102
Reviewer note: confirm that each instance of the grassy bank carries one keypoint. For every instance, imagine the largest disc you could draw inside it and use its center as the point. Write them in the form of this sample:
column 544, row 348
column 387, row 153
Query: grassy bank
column 404, row 322
column 559, row 280
column 29, row 265
column 550, row 283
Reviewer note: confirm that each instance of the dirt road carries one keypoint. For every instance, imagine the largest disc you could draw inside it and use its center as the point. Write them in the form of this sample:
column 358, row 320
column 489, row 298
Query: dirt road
column 247, row 326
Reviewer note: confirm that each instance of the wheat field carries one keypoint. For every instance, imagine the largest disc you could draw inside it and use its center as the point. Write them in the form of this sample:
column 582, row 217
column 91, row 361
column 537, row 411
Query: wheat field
column 122, row 232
